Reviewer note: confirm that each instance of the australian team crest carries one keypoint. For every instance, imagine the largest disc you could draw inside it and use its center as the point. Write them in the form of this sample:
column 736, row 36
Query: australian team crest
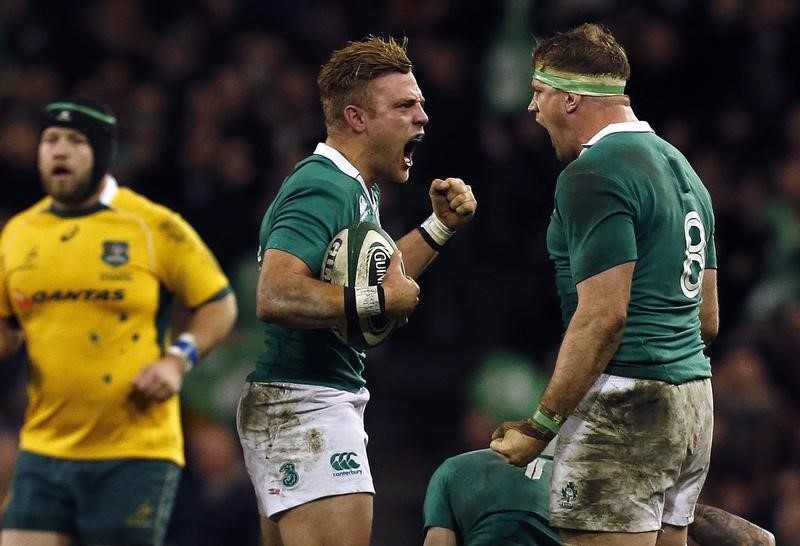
column 115, row 253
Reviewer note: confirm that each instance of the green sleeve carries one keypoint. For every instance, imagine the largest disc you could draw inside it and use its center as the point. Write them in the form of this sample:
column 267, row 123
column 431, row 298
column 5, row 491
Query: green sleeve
column 711, row 253
column 436, row 510
column 307, row 218
column 598, row 216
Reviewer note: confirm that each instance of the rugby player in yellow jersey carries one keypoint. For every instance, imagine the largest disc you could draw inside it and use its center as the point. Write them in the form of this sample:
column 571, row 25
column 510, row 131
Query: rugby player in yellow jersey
column 86, row 278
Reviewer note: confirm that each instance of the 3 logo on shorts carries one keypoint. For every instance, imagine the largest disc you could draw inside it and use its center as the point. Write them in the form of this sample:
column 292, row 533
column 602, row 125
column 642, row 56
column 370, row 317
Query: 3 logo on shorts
column 290, row 476
column 345, row 464
column 568, row 494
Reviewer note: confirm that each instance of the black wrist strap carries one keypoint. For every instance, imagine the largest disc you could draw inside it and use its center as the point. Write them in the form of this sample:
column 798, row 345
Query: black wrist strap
column 428, row 239
column 350, row 308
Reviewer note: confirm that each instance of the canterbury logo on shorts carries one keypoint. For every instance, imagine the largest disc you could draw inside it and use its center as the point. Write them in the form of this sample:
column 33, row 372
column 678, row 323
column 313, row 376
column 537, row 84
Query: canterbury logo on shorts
column 345, row 464
column 344, row 461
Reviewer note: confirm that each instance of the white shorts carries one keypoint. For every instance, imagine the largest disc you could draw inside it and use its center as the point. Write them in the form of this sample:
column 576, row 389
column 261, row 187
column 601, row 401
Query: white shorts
column 303, row 442
column 634, row 454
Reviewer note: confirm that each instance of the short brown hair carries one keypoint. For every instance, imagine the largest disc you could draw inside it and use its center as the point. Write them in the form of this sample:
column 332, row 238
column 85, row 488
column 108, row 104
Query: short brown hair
column 343, row 79
column 589, row 49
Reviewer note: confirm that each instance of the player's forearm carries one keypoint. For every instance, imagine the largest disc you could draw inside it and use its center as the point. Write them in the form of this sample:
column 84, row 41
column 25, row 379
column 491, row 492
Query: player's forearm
column 439, row 536
column 10, row 339
column 211, row 322
column 709, row 308
column 453, row 207
column 301, row 302
column 417, row 253
column 589, row 343
column 716, row 527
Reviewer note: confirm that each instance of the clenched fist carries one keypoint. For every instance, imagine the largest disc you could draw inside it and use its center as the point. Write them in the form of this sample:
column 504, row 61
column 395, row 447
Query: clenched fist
column 517, row 442
column 453, row 202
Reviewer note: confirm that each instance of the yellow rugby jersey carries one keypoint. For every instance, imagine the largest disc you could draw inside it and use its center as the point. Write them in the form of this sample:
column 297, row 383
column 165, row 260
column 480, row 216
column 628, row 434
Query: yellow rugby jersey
column 91, row 290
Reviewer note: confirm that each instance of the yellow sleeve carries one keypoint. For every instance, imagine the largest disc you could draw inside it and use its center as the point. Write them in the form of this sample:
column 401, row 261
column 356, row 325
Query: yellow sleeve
column 187, row 267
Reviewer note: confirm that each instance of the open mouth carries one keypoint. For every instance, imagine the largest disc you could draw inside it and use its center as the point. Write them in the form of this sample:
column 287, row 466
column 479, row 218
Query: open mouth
column 60, row 171
column 408, row 149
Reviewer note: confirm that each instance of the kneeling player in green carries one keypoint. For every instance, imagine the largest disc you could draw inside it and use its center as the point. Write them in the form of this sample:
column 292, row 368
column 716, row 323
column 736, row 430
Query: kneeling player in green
column 476, row 498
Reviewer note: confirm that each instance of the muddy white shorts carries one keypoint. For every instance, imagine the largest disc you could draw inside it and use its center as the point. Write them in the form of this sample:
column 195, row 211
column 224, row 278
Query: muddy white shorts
column 634, row 454
column 303, row 442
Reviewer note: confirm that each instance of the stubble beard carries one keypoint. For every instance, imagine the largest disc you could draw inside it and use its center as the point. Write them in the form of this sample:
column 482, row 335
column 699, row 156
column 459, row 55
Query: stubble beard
column 69, row 194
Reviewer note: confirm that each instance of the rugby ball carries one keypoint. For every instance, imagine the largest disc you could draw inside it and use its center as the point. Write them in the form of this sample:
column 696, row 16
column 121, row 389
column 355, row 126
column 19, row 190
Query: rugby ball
column 358, row 256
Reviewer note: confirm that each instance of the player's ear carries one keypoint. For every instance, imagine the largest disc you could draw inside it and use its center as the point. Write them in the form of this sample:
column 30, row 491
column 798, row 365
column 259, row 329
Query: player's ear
column 354, row 116
column 571, row 102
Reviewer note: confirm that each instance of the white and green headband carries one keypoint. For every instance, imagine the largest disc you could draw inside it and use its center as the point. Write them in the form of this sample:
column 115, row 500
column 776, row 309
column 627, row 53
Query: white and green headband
column 602, row 85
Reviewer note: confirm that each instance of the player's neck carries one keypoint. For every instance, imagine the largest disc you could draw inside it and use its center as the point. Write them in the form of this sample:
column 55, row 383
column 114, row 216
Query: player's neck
column 353, row 152
column 601, row 118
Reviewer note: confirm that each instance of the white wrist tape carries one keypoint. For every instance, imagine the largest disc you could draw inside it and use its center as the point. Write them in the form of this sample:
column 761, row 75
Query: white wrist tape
column 368, row 301
column 437, row 231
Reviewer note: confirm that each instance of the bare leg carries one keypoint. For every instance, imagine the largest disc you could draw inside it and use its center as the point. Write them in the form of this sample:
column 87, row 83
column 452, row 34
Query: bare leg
column 20, row 537
column 672, row 536
column 270, row 534
column 332, row 521
column 592, row 538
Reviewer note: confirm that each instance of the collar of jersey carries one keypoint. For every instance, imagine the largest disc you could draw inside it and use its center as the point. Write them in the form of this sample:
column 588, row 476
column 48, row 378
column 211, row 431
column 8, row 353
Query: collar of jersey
column 104, row 202
column 624, row 127
column 341, row 162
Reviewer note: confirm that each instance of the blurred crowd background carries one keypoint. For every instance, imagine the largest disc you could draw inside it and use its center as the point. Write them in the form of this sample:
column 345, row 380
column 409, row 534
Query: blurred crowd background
column 217, row 101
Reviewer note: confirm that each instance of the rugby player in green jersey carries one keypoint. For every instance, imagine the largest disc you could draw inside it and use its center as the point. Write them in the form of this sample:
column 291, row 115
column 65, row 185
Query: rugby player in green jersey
column 301, row 415
column 631, row 237
column 477, row 499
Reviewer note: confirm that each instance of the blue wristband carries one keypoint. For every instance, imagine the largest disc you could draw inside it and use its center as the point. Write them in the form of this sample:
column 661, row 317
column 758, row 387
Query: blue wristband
column 185, row 347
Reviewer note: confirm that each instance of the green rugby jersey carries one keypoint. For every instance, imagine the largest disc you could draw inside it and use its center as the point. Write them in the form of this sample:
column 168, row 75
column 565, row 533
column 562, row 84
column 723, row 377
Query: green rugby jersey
column 631, row 196
column 488, row 502
column 323, row 195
